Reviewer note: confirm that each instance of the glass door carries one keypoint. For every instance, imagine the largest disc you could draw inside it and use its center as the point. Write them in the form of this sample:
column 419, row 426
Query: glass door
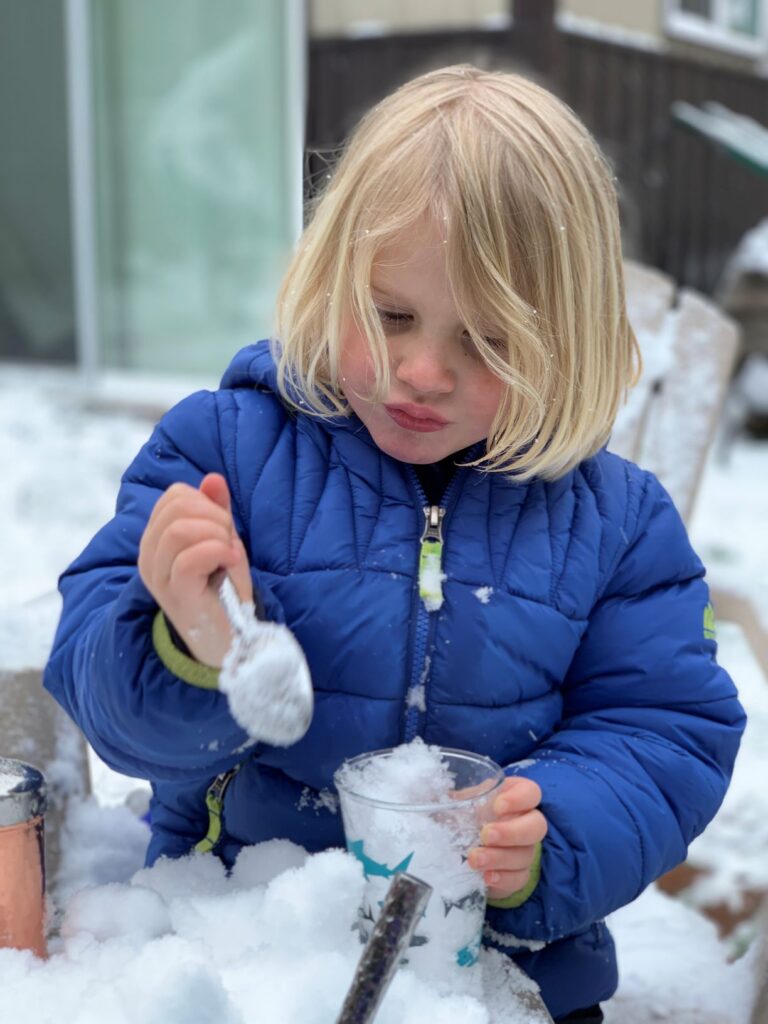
column 197, row 117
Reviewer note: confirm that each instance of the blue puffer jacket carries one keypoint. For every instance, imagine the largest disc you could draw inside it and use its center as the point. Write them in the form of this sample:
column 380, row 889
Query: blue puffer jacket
column 585, row 666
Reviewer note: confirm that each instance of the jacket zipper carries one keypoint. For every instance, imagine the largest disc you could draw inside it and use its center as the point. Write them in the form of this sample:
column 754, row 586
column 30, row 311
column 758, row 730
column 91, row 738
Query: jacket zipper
column 431, row 558
column 428, row 598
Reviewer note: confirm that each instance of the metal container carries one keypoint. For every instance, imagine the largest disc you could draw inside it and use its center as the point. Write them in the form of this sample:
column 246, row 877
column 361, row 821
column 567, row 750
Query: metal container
column 22, row 865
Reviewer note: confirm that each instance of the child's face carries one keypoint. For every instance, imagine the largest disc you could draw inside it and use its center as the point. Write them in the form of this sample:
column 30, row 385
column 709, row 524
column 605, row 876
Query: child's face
column 442, row 396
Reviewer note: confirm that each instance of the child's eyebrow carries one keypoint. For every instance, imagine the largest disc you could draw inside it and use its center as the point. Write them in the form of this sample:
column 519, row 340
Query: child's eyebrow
column 380, row 294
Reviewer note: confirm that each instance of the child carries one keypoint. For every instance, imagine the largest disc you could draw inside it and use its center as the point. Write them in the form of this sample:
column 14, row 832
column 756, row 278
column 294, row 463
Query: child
column 453, row 348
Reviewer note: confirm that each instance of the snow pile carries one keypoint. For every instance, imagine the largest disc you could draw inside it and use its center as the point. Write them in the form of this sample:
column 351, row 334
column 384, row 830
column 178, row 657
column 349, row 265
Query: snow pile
column 414, row 773
column 403, row 812
column 182, row 943
column 98, row 845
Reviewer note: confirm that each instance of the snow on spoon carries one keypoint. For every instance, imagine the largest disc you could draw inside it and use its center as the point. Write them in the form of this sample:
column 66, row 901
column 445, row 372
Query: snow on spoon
column 264, row 675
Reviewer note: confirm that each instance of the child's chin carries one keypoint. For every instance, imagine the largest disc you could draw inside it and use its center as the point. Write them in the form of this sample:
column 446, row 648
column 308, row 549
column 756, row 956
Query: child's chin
column 418, row 454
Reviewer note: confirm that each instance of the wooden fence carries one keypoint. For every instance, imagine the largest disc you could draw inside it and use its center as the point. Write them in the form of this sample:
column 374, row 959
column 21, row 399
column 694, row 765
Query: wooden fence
column 685, row 202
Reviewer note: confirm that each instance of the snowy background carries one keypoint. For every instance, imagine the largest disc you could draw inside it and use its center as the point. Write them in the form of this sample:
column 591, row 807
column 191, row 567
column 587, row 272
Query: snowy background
column 183, row 943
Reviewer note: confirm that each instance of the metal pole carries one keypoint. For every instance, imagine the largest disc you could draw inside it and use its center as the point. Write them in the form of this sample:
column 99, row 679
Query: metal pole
column 82, row 185
column 296, row 28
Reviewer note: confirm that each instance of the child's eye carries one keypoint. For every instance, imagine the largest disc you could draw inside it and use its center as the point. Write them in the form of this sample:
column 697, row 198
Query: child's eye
column 392, row 317
column 497, row 344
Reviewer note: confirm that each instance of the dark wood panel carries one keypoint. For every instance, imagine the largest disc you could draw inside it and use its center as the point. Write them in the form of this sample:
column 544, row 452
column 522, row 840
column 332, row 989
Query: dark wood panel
column 685, row 203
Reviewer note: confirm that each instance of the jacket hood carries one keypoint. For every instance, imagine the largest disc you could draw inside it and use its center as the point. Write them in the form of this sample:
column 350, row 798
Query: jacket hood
column 253, row 366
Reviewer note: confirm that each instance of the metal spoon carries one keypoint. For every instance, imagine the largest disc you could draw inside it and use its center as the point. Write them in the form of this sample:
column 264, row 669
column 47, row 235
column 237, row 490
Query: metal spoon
column 264, row 674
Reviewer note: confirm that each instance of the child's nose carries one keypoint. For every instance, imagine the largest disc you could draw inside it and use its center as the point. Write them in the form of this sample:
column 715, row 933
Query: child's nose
column 423, row 366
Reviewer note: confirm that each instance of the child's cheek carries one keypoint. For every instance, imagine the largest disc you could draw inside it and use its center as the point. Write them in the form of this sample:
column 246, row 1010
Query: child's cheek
column 356, row 364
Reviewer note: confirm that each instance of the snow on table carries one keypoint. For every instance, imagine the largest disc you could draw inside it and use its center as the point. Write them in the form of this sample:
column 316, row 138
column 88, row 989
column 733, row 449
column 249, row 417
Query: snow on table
column 182, row 943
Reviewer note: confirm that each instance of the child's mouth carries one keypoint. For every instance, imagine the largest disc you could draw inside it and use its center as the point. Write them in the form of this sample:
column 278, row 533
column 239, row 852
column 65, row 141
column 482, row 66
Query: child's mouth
column 411, row 417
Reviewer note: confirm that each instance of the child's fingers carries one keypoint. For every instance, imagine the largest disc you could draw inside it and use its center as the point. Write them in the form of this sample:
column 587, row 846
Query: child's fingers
column 214, row 487
column 163, row 527
column 521, row 830
column 182, row 502
column 194, row 565
column 240, row 571
column 501, row 884
column 508, row 851
column 494, row 858
column 516, row 795
column 181, row 535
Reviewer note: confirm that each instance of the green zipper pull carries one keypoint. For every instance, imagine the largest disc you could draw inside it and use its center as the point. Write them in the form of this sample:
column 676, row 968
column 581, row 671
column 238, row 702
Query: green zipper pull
column 431, row 573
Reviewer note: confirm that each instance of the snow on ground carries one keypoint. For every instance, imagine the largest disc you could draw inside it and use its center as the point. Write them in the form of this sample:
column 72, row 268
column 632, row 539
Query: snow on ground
column 728, row 527
column 177, row 945
column 672, row 967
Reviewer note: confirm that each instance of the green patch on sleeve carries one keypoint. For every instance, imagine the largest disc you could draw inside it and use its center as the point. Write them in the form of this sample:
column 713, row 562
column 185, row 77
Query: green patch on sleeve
column 181, row 665
column 518, row 898
column 710, row 632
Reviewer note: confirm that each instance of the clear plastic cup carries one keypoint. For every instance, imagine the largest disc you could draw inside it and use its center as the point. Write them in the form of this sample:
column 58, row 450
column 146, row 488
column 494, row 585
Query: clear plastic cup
column 429, row 838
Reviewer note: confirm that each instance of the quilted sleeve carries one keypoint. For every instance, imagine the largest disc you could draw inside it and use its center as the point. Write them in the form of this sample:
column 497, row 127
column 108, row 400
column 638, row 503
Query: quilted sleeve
column 651, row 727
column 104, row 669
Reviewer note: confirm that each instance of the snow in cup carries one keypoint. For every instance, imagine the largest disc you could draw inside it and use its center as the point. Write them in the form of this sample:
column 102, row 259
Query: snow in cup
column 419, row 809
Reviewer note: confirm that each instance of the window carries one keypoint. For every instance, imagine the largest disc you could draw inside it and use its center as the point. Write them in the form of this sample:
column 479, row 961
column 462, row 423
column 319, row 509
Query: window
column 37, row 305
column 740, row 26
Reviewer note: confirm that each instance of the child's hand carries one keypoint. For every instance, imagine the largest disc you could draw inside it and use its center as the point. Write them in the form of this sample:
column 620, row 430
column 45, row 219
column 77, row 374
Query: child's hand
column 508, row 843
column 190, row 535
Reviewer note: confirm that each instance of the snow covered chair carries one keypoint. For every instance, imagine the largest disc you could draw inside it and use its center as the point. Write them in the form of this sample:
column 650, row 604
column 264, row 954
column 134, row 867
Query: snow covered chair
column 670, row 419
column 667, row 425
column 33, row 727
column 649, row 297
column 688, row 349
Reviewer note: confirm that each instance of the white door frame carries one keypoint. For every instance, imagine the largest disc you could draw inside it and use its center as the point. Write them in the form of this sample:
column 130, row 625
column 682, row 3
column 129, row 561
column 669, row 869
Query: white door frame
column 82, row 184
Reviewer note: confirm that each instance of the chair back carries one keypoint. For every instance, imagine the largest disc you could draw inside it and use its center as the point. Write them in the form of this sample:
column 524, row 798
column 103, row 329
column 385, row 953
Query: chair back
column 688, row 346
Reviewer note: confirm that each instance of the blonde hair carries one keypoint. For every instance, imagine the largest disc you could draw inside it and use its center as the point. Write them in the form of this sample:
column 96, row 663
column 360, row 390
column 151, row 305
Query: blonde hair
column 533, row 249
